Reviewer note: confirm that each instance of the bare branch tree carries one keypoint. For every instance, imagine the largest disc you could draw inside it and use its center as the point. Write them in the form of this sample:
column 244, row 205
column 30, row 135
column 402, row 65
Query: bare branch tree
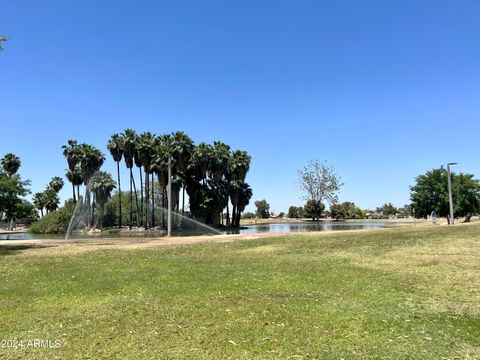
column 319, row 182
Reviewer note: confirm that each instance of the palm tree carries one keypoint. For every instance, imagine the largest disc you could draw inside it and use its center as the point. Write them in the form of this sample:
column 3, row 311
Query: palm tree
column 56, row 184
column 244, row 200
column 115, row 146
column 102, row 184
column 51, row 200
column 182, row 148
column 160, row 167
column 75, row 177
column 138, row 163
column 146, row 146
column 10, row 164
column 72, row 154
column 91, row 160
column 129, row 138
column 39, row 201
column 201, row 159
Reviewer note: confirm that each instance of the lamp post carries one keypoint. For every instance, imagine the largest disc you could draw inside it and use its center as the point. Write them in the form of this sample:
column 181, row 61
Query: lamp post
column 169, row 190
column 450, row 197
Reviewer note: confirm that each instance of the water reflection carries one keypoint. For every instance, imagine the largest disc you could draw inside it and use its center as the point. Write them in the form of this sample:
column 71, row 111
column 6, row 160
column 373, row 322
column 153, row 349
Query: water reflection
column 306, row 227
column 249, row 229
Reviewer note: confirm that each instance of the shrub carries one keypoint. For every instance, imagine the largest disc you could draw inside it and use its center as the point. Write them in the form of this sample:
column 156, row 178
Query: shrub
column 55, row 222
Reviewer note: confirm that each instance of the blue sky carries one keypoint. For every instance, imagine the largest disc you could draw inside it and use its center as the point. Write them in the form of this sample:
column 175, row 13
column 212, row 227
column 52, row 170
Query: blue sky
column 383, row 90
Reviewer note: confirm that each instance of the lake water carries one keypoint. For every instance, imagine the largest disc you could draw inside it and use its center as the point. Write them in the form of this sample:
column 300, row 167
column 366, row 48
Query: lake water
column 249, row 229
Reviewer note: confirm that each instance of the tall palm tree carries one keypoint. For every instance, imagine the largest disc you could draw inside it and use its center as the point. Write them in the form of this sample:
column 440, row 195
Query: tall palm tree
column 10, row 164
column 201, row 159
column 244, row 199
column 39, row 201
column 182, row 148
column 71, row 151
column 115, row 146
column 146, row 146
column 56, row 184
column 51, row 200
column 160, row 167
column 75, row 177
column 91, row 160
column 102, row 185
column 138, row 163
column 129, row 138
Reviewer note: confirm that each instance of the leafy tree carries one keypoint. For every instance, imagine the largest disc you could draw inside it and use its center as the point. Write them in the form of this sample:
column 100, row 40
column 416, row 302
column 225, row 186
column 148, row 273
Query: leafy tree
column 51, row 200
column 387, row 209
column 319, row 183
column 313, row 209
column 467, row 195
column 248, row 215
column 12, row 188
column 263, row 209
column 430, row 193
column 345, row 210
column 39, row 201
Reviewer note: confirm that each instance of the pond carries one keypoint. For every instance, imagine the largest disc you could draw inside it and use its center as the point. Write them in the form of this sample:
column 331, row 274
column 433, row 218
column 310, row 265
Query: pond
column 248, row 229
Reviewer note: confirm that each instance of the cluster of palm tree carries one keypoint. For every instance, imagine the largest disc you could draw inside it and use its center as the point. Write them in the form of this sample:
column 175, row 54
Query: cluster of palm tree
column 211, row 175
column 48, row 199
column 84, row 161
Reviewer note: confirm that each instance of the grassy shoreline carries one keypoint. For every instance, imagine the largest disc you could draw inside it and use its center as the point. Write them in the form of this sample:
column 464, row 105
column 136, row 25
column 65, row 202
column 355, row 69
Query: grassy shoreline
column 392, row 293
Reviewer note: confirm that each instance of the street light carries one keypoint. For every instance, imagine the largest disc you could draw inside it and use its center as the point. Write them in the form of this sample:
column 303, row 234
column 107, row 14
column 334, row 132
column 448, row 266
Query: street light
column 169, row 191
column 450, row 198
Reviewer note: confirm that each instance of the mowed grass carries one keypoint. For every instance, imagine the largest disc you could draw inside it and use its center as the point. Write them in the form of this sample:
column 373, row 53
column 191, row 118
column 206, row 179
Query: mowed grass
column 396, row 293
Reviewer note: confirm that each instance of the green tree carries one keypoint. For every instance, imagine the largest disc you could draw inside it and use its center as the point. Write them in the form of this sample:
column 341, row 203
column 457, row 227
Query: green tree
column 56, row 184
column 345, row 210
column 467, row 195
column 102, row 185
column 115, row 147
column 10, row 164
column 313, row 209
column 430, row 193
column 71, row 151
column 12, row 189
column 320, row 183
column 39, row 201
column 130, row 142
column 387, row 209
column 263, row 209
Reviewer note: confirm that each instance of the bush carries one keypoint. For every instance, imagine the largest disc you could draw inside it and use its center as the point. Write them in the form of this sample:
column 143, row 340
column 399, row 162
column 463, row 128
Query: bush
column 55, row 222
column 248, row 215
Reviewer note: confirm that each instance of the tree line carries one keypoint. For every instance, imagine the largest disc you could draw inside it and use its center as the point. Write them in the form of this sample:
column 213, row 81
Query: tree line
column 212, row 176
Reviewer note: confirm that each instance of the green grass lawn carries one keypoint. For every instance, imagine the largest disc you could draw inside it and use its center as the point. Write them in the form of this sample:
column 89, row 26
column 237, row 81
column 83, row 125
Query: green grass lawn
column 396, row 293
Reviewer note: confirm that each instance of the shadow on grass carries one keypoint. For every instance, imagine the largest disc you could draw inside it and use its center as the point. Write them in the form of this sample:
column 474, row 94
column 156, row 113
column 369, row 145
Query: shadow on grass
column 14, row 249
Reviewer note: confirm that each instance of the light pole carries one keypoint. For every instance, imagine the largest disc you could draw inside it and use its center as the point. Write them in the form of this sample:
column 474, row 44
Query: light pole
column 450, row 197
column 169, row 190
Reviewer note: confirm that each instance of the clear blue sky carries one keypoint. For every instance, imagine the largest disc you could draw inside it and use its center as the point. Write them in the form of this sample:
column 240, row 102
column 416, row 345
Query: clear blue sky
column 377, row 88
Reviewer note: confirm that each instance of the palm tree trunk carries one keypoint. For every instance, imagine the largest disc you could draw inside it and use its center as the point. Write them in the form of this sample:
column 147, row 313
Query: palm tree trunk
column 228, row 214
column 183, row 201
column 119, row 197
column 136, row 201
column 234, row 216
column 78, row 192
column 41, row 212
column 74, row 198
column 131, row 200
column 163, row 205
column 141, row 197
column 94, row 223
column 146, row 205
column 153, row 199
